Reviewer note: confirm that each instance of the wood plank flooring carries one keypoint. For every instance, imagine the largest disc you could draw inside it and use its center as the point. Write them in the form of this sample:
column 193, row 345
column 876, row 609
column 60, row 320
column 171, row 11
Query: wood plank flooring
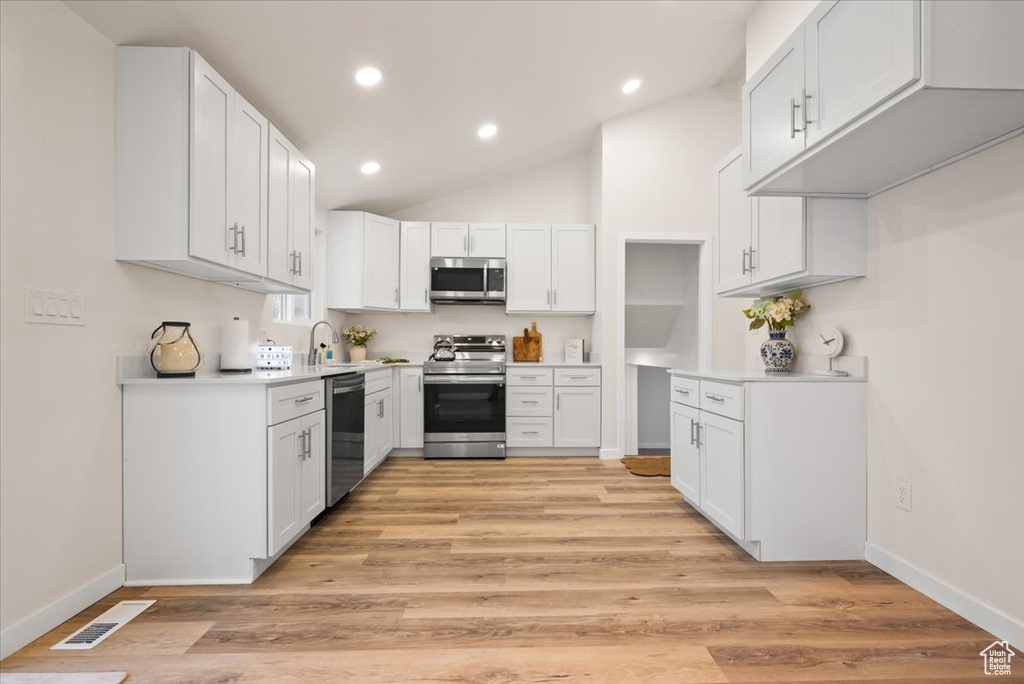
column 528, row 570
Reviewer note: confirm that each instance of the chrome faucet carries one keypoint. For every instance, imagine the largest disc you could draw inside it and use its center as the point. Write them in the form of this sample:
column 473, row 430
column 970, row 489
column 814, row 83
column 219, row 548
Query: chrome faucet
column 311, row 360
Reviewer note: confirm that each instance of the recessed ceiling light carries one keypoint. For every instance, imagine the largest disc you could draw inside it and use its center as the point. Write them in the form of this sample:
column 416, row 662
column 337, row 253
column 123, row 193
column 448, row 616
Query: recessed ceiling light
column 368, row 76
column 631, row 86
column 487, row 131
column 370, row 168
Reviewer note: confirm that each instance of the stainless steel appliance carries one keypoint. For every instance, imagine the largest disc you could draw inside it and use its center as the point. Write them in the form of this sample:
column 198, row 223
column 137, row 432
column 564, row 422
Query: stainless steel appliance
column 467, row 281
column 464, row 398
column 346, row 397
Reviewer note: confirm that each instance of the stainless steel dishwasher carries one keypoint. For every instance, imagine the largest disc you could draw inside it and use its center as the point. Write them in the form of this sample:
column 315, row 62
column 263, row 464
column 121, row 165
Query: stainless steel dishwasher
column 345, row 395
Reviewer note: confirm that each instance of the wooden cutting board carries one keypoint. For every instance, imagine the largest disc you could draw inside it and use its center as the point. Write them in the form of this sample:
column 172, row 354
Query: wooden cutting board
column 529, row 347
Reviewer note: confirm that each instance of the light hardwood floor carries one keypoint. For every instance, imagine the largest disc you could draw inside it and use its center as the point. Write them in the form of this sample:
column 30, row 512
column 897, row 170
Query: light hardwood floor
column 528, row 570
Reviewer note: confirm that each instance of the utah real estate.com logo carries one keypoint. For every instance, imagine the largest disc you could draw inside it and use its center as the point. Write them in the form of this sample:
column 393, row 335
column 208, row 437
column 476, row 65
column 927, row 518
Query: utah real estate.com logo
column 997, row 658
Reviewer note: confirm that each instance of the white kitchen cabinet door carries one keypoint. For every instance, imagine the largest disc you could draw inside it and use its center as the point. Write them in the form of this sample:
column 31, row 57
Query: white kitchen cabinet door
column 312, row 472
column 303, row 219
column 734, row 225
column 572, row 268
column 280, row 263
column 487, row 240
column 779, row 244
column 385, row 426
column 528, row 268
column 213, row 114
column 449, row 240
column 577, row 420
column 247, row 187
column 415, row 265
column 380, row 263
column 773, row 112
column 722, row 467
column 371, row 438
column 685, row 453
column 858, row 54
column 284, row 486
column 410, row 410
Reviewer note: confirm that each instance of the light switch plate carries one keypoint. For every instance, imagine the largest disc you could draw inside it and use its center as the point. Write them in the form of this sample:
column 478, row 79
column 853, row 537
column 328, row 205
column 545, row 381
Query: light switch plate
column 54, row 307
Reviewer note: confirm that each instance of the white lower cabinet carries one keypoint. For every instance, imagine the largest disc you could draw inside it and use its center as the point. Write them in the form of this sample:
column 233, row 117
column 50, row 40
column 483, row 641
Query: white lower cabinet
column 378, row 422
column 553, row 407
column 410, row 408
column 295, row 478
column 779, row 464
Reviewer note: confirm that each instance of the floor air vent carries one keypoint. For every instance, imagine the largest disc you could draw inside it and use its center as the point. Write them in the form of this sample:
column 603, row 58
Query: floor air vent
column 103, row 626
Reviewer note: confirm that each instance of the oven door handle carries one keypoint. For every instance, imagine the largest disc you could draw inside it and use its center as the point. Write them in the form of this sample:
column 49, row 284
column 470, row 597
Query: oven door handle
column 464, row 379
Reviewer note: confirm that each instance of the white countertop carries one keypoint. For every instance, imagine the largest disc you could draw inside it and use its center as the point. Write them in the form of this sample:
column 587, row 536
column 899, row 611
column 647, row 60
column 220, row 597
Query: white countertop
column 147, row 376
column 748, row 375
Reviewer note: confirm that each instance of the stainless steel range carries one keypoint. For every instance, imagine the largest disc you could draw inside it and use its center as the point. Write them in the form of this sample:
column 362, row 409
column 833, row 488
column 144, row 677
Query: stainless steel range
column 464, row 397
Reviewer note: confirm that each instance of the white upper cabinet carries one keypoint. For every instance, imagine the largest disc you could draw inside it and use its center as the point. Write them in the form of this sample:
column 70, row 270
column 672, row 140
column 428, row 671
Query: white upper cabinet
column 773, row 111
column 528, row 269
column 772, row 245
column 487, row 240
column 363, row 262
column 414, row 279
column 846, row 79
column 864, row 95
column 449, row 239
column 193, row 167
column 290, row 214
column 456, row 240
column 572, row 268
column 550, row 268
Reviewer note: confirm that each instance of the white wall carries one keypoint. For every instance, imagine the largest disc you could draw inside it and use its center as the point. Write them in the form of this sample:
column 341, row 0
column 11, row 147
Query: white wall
column 940, row 319
column 771, row 22
column 657, row 168
column 553, row 193
column 60, row 450
column 558, row 192
column 653, row 422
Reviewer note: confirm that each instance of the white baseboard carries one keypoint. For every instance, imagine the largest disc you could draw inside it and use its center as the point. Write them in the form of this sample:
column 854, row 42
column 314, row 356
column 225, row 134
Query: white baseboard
column 967, row 607
column 31, row 627
column 610, row 454
column 653, row 446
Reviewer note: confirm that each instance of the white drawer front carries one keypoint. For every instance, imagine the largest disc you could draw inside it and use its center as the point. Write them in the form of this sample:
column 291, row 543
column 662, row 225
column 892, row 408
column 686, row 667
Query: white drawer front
column 685, row 391
column 377, row 381
column 528, row 376
column 285, row 402
column 528, row 432
column 578, row 377
column 725, row 400
column 528, row 401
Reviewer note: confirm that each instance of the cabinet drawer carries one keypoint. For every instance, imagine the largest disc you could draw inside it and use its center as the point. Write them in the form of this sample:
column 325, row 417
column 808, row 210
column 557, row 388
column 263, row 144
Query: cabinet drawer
column 528, row 432
column 578, row 377
column 725, row 400
column 285, row 402
column 377, row 381
column 528, row 401
column 529, row 376
column 685, row 391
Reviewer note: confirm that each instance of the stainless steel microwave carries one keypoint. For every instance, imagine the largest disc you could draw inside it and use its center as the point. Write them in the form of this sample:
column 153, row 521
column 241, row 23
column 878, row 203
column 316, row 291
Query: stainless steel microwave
column 467, row 281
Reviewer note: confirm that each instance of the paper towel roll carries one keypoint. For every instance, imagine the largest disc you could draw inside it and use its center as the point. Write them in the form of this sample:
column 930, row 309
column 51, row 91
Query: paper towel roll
column 234, row 348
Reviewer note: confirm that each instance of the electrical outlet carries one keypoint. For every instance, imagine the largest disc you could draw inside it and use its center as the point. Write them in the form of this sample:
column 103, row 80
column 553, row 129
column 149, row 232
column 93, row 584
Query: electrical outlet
column 904, row 495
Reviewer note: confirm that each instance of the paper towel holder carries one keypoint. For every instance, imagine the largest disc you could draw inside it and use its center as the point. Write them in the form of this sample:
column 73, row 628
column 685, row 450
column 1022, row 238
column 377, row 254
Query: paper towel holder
column 234, row 354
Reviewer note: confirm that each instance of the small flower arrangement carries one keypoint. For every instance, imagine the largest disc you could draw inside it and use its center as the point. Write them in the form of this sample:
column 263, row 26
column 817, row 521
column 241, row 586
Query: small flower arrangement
column 358, row 335
column 778, row 312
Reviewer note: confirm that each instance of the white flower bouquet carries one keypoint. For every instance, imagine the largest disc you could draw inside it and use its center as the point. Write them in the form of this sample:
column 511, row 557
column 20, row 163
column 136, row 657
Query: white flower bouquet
column 778, row 312
column 358, row 335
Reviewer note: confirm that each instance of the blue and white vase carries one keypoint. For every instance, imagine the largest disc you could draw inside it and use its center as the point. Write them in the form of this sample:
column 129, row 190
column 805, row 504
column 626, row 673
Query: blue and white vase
column 777, row 352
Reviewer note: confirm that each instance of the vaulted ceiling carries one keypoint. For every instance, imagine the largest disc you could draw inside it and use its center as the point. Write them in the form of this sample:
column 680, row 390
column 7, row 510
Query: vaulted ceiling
column 547, row 73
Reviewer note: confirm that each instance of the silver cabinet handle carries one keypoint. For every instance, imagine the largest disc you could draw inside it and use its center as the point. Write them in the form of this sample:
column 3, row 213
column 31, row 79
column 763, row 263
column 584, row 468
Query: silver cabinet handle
column 424, row 295
column 531, row 432
column 682, row 391
column 531, row 377
column 291, row 269
column 714, row 397
column 752, row 252
column 471, row 243
column 806, row 98
column 381, row 402
column 299, row 255
column 243, row 241
column 464, row 248
column 699, row 443
column 576, row 377
column 693, row 437
column 746, row 269
column 303, row 400
column 420, row 383
column 396, row 295
column 529, row 401
column 302, row 445
column 793, row 130
column 234, row 237
column 558, row 402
